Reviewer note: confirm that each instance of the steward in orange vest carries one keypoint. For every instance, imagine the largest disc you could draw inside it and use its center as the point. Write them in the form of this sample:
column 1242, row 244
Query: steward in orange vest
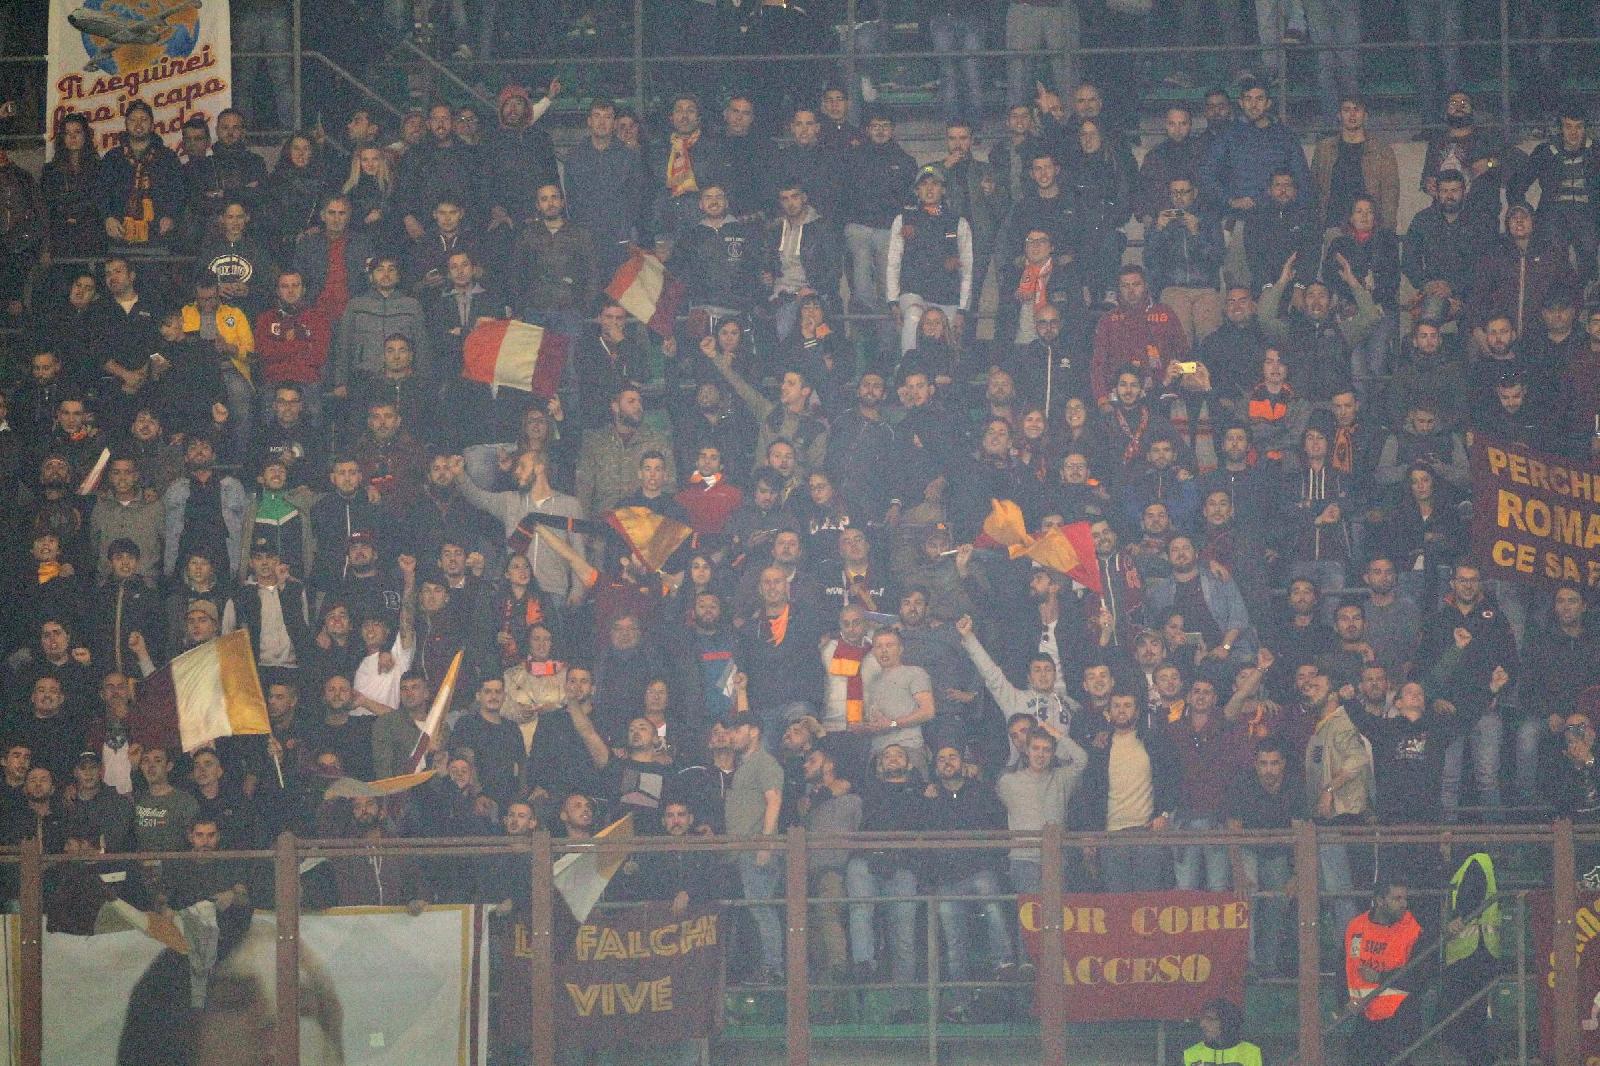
column 1376, row 945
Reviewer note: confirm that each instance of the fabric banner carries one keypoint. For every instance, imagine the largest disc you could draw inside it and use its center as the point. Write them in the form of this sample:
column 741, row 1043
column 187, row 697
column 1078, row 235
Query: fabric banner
column 1535, row 517
column 173, row 54
column 634, row 977
column 393, row 989
column 1541, row 913
column 1147, row 956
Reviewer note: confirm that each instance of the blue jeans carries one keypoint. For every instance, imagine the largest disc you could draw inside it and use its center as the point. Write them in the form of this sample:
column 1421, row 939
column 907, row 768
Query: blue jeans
column 1026, row 875
column 266, row 29
column 900, row 927
column 1485, row 738
column 1369, row 360
column 1189, row 861
column 241, row 409
column 1531, row 732
column 1335, row 22
column 869, row 259
column 1430, row 23
column 1053, row 27
column 1133, row 868
column 1269, row 918
column 1333, row 869
column 955, row 918
column 951, row 33
column 760, row 883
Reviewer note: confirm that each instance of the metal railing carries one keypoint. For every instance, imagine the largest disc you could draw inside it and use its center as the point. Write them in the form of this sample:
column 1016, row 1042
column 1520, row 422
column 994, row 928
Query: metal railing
column 795, row 849
column 461, row 74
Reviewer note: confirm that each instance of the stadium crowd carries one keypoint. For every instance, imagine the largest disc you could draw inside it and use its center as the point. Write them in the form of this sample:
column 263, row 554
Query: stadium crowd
column 1262, row 431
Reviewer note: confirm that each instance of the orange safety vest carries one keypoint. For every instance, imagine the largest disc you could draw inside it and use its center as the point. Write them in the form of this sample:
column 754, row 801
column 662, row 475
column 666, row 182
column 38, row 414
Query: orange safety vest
column 1383, row 948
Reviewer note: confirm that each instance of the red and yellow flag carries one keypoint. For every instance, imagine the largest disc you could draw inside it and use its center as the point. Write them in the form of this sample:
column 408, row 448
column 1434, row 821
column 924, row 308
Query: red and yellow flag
column 1068, row 549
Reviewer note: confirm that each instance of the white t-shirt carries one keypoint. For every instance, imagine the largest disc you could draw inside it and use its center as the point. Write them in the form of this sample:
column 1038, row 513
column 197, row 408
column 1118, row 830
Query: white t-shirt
column 382, row 687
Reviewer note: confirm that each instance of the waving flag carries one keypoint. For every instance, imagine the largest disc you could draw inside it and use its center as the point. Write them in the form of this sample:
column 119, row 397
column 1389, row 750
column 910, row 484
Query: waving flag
column 207, row 692
column 647, row 292
column 91, row 480
column 350, row 788
column 582, row 877
column 505, row 353
column 430, row 726
column 1068, row 549
column 652, row 537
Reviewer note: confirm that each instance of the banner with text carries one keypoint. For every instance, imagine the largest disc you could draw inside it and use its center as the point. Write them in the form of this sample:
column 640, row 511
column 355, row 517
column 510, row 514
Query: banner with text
column 1147, row 956
column 1535, row 517
column 639, row 976
column 1541, row 912
column 174, row 55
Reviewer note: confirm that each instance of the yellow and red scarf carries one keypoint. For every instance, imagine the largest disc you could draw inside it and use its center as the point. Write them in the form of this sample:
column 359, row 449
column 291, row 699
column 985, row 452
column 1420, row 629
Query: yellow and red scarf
column 1035, row 284
column 846, row 663
column 680, row 164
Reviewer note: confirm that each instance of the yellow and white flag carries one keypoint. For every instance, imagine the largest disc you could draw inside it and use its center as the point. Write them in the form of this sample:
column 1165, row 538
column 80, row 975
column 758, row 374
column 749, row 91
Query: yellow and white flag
column 581, row 878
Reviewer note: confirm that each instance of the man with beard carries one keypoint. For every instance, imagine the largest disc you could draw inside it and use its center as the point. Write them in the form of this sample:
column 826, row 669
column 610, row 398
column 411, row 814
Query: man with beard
column 517, row 158
column 1443, row 245
column 533, row 495
column 1048, row 300
column 1432, row 378
column 124, row 328
column 204, row 510
column 566, row 751
column 373, row 880
column 369, row 320
column 441, row 167
column 692, row 161
column 1477, row 155
column 288, row 434
column 861, row 445
column 496, row 743
column 332, row 728
column 390, row 458
column 141, row 185
column 1232, row 542
column 554, row 263
column 609, row 462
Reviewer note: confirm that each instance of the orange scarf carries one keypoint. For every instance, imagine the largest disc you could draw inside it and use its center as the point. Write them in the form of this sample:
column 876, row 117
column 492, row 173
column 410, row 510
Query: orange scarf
column 49, row 572
column 680, row 165
column 778, row 627
column 1035, row 284
column 1344, row 442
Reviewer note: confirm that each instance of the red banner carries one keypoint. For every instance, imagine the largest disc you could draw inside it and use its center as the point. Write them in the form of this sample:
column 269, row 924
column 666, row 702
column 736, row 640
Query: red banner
column 634, row 977
column 1587, row 928
column 1147, row 956
column 1535, row 517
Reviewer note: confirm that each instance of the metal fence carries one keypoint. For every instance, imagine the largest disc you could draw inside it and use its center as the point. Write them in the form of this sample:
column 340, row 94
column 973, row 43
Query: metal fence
column 469, row 78
column 1312, row 986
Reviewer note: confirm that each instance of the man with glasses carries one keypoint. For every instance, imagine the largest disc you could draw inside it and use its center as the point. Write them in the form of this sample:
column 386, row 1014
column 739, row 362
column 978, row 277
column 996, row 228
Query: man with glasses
column 1184, row 255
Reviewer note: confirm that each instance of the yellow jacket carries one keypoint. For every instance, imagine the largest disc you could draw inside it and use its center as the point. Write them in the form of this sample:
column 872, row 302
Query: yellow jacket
column 233, row 326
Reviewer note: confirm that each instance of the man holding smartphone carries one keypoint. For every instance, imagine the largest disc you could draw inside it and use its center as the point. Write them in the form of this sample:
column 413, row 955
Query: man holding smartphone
column 1183, row 252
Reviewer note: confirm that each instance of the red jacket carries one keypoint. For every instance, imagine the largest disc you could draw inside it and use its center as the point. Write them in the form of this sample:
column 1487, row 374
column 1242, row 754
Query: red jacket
column 292, row 346
column 709, row 508
column 1146, row 340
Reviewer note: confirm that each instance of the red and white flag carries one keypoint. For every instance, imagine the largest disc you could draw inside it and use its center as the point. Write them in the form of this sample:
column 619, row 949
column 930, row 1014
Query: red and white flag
column 647, row 292
column 430, row 726
column 207, row 692
column 503, row 352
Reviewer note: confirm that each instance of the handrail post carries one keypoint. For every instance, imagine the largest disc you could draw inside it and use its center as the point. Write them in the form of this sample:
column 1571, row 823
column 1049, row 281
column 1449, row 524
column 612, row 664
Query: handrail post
column 1564, row 942
column 286, row 901
column 852, row 82
column 1306, row 879
column 1050, row 975
column 638, row 58
column 297, row 113
column 31, row 1020
column 797, row 999
column 1505, row 69
column 541, row 962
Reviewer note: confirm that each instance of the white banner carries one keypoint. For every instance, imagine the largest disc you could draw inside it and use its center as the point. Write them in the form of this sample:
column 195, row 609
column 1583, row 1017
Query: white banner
column 409, row 989
column 173, row 54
